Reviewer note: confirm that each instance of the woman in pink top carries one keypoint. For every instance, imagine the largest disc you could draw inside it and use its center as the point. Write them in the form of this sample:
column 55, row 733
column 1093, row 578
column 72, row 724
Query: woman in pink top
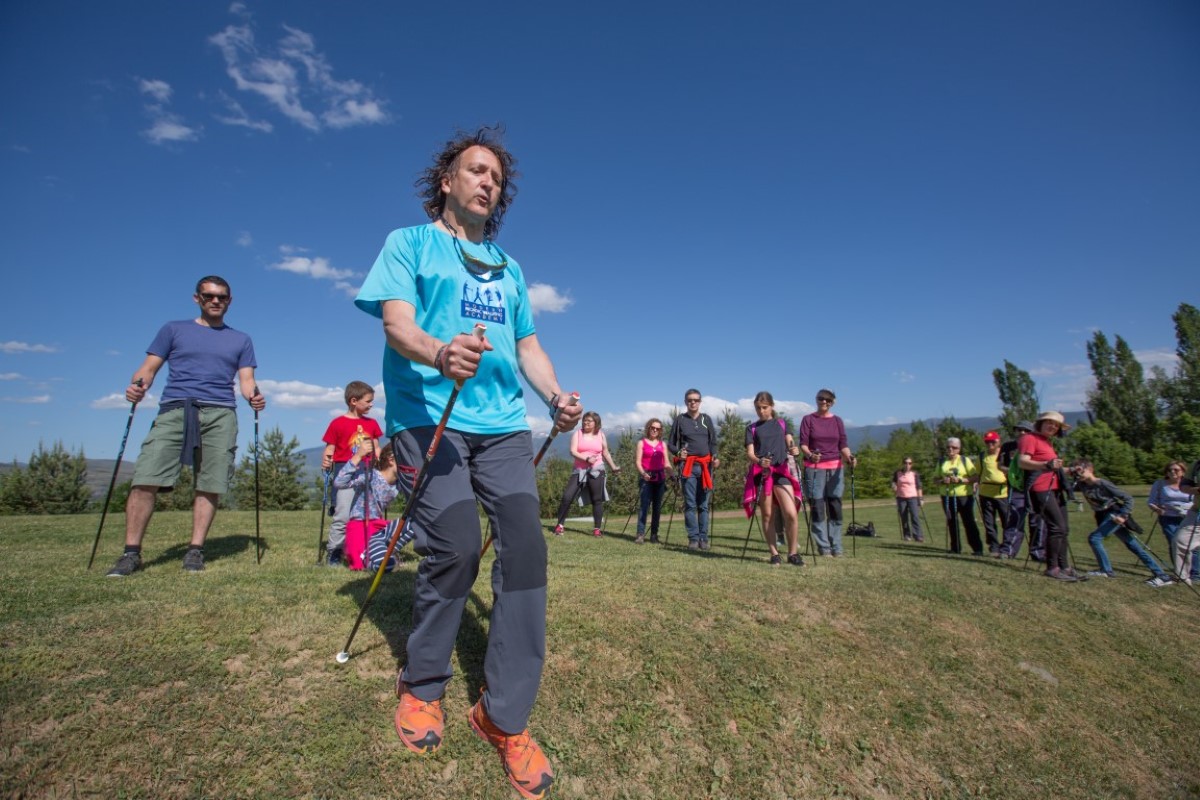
column 653, row 466
column 906, row 483
column 590, row 449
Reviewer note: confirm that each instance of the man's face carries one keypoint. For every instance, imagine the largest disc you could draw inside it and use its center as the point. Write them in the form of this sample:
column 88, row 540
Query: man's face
column 214, row 300
column 474, row 189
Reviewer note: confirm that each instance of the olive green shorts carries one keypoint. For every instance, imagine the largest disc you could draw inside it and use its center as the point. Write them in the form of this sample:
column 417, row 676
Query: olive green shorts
column 158, row 463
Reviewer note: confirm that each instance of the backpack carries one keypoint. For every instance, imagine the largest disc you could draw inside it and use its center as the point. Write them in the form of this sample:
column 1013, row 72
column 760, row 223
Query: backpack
column 1016, row 475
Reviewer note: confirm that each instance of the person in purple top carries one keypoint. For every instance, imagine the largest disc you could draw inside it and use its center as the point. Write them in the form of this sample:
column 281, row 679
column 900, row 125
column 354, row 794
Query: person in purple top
column 197, row 418
column 822, row 440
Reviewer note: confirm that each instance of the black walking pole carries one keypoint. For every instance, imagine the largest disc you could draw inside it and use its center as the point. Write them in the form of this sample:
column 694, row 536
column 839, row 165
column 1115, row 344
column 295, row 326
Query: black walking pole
column 113, row 481
column 753, row 514
column 853, row 517
column 675, row 492
column 257, row 493
column 321, row 530
column 924, row 517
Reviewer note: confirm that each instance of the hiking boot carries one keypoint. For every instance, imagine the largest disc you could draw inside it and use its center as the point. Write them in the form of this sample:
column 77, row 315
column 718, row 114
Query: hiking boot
column 704, row 544
column 193, row 560
column 641, row 539
column 333, row 558
column 419, row 724
column 775, row 560
column 558, row 530
column 126, row 565
column 596, row 532
column 524, row 762
column 654, row 538
column 693, row 545
column 795, row 560
column 1157, row 582
column 1060, row 575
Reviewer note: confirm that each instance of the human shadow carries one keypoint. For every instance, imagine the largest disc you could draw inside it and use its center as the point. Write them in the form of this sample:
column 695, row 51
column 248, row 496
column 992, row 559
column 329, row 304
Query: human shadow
column 215, row 548
column 390, row 613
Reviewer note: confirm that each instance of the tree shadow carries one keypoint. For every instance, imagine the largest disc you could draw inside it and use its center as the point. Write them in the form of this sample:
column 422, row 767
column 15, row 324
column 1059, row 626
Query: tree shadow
column 215, row 548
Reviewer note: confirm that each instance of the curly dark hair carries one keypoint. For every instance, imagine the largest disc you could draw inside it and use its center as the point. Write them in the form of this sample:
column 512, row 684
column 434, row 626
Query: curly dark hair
column 445, row 164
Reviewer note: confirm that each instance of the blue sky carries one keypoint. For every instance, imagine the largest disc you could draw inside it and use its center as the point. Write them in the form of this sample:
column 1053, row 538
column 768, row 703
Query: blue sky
column 886, row 199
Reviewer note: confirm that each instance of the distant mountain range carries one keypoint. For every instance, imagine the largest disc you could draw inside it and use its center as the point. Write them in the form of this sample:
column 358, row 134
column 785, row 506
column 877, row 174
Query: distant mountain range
column 100, row 469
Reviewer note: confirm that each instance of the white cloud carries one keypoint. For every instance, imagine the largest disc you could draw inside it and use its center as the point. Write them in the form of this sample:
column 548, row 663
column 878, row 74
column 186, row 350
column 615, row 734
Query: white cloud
column 117, row 401
column 24, row 347
column 244, row 239
column 1164, row 357
column 167, row 127
column 544, row 297
column 159, row 90
column 36, row 400
column 292, row 77
column 316, row 268
column 888, row 421
column 298, row 394
column 237, row 116
column 19, row 148
column 351, row 289
column 904, row 376
column 11, row 376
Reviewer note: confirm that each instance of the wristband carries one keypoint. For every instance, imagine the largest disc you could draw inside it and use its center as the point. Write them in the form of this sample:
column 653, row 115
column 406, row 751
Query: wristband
column 439, row 361
column 553, row 403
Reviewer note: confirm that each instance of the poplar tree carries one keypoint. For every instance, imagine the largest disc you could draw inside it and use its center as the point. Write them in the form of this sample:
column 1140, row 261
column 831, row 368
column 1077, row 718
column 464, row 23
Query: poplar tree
column 1121, row 397
column 1018, row 395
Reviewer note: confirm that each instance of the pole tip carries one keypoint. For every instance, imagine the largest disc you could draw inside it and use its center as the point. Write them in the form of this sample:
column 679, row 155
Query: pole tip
column 342, row 657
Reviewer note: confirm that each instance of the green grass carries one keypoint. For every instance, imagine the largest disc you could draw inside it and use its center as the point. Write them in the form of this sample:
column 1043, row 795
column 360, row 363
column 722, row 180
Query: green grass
column 902, row 672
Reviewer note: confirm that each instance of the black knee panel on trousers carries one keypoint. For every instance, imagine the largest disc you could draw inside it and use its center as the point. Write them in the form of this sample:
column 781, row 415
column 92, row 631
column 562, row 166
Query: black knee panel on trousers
column 523, row 558
column 452, row 569
column 818, row 510
column 835, row 508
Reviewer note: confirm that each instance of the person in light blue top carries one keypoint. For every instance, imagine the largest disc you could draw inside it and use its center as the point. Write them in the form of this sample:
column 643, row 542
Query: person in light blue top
column 1171, row 502
column 431, row 285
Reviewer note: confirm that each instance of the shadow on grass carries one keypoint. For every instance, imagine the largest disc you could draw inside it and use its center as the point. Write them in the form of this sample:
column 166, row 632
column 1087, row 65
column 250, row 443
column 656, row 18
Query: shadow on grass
column 390, row 613
column 215, row 548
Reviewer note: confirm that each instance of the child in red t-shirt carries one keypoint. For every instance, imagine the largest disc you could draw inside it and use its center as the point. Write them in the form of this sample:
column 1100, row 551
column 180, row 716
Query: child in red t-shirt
column 344, row 436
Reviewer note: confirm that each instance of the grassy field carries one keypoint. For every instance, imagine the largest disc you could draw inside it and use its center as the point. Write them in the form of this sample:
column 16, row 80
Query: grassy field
column 901, row 672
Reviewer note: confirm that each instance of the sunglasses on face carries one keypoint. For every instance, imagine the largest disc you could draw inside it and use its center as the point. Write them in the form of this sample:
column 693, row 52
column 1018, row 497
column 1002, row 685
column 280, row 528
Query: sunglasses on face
column 655, row 430
column 825, row 400
column 692, row 400
column 209, row 297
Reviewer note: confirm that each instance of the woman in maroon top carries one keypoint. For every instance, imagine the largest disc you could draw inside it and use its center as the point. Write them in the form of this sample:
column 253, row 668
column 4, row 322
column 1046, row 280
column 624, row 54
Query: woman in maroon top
column 1037, row 456
column 823, row 441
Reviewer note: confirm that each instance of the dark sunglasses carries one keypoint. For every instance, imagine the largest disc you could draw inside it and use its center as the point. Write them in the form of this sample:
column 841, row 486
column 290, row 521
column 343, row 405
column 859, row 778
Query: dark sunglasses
column 478, row 266
column 208, row 298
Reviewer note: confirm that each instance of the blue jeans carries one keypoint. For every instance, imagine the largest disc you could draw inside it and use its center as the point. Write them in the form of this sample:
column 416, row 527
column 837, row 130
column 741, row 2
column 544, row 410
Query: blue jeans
column 650, row 494
column 908, row 508
column 1109, row 526
column 1169, row 526
column 695, row 504
column 823, row 488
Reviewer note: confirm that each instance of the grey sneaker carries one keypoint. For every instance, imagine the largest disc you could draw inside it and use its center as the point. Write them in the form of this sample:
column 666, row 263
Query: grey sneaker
column 193, row 561
column 704, row 544
column 693, row 545
column 1099, row 573
column 126, row 565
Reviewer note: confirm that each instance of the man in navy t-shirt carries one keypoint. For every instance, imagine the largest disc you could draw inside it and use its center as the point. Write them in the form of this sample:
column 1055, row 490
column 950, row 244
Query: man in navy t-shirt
column 197, row 419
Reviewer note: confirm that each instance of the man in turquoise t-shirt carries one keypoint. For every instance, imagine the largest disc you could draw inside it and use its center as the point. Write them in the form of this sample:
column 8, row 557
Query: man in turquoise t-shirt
column 431, row 285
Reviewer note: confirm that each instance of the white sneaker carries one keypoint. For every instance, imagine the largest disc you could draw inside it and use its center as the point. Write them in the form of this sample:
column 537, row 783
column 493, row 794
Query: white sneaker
column 1099, row 573
column 1157, row 582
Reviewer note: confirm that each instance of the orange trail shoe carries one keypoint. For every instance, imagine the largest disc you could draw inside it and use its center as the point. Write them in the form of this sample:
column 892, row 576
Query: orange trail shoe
column 524, row 762
column 420, row 724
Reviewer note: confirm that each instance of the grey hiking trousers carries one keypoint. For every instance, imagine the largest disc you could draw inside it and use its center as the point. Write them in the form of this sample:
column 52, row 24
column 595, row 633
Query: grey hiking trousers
column 496, row 470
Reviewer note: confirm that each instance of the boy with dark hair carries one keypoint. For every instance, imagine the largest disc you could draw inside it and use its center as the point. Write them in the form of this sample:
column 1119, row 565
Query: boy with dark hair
column 1113, row 508
column 343, row 438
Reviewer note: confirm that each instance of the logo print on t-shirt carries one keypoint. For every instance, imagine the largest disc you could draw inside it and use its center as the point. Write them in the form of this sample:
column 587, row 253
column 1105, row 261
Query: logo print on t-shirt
column 483, row 301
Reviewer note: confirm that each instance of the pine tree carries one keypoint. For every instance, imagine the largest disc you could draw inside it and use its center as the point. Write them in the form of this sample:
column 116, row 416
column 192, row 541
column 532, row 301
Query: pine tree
column 54, row 482
column 1121, row 397
column 280, row 476
column 1018, row 395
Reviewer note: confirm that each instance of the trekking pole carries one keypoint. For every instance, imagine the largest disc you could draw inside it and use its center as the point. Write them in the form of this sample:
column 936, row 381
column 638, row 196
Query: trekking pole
column 257, row 494
column 113, row 482
column 853, row 518
column 574, row 400
column 753, row 515
column 324, row 505
column 924, row 517
column 401, row 528
column 671, row 518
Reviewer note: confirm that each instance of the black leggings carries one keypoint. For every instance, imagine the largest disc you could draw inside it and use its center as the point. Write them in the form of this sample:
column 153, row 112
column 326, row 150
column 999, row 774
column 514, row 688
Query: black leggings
column 1046, row 504
column 595, row 485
